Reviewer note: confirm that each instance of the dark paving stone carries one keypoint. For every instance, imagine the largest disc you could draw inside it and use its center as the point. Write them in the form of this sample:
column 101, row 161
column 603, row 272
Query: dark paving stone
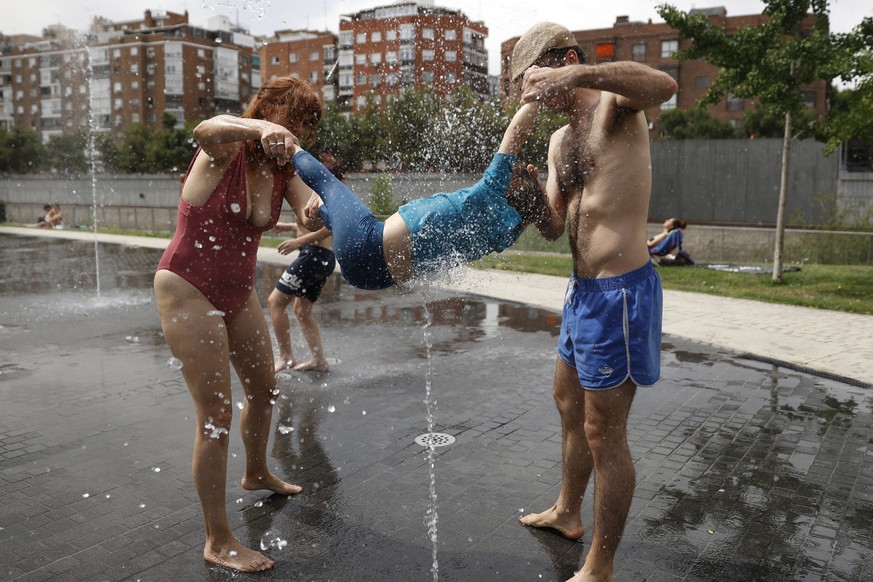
column 745, row 471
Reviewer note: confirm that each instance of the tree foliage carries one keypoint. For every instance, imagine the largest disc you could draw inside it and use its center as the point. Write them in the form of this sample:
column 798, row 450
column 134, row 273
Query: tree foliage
column 694, row 123
column 21, row 151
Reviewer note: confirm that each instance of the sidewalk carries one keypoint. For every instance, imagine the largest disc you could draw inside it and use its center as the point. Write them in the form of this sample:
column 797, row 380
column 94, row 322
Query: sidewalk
column 832, row 343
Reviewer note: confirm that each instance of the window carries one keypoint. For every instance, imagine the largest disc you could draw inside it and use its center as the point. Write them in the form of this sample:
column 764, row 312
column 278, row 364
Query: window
column 134, row 68
column 668, row 47
column 671, row 104
column 451, row 56
column 361, row 38
column 313, row 77
column 116, row 53
column 292, row 58
column 361, row 79
column 427, row 76
column 672, row 70
column 451, row 78
column 407, row 32
column 150, row 52
column 201, row 53
column 735, row 103
column 427, row 33
column 451, row 34
column 391, row 57
column 638, row 52
column 376, row 36
column 701, row 82
column 274, row 60
column 374, row 81
column 809, row 98
column 134, row 51
column 360, row 59
column 427, row 55
column 391, row 35
column 605, row 51
column 313, row 56
column 376, row 59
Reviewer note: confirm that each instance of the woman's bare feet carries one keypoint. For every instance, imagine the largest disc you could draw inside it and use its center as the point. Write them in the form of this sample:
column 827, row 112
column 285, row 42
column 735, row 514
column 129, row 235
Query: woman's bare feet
column 568, row 525
column 271, row 483
column 313, row 366
column 237, row 557
column 283, row 364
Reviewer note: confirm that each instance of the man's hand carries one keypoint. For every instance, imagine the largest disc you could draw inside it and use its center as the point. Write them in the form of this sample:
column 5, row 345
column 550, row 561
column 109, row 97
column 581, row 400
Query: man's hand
column 547, row 84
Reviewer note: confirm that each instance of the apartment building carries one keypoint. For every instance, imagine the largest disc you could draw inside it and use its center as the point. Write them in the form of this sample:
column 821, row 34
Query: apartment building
column 121, row 73
column 307, row 54
column 655, row 44
column 385, row 49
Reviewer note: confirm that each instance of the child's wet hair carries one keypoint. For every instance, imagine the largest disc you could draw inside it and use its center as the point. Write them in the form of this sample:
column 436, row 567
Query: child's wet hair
column 526, row 194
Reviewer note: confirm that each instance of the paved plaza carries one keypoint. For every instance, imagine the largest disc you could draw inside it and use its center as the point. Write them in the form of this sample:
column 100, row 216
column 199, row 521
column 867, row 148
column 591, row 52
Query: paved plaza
column 752, row 465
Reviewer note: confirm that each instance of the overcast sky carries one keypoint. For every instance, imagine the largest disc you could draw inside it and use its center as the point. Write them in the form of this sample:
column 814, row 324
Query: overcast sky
column 504, row 18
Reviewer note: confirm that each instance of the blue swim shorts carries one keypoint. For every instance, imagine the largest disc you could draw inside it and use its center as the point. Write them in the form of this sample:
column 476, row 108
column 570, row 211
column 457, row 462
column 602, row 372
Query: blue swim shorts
column 611, row 329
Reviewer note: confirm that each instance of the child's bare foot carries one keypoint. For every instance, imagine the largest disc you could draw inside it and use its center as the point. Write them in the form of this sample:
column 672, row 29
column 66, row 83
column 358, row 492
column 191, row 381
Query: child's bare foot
column 271, row 483
column 237, row 557
column 313, row 366
column 283, row 364
column 569, row 526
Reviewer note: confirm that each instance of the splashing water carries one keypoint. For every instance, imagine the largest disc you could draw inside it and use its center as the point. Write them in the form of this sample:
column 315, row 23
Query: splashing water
column 272, row 539
column 431, row 517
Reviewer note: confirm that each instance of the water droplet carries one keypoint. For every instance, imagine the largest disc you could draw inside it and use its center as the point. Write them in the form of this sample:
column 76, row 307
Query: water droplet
column 212, row 239
column 285, row 429
column 259, row 503
column 217, row 312
column 232, row 553
column 331, row 408
column 364, row 412
column 157, row 469
column 198, row 245
column 235, row 208
column 86, row 495
column 240, row 405
column 142, row 505
column 175, row 363
column 271, row 539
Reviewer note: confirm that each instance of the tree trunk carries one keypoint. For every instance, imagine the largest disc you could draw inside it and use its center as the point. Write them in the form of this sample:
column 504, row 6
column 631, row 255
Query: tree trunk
column 783, row 199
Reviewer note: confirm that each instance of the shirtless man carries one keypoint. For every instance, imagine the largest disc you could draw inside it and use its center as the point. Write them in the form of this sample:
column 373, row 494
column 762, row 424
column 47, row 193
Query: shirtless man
column 600, row 175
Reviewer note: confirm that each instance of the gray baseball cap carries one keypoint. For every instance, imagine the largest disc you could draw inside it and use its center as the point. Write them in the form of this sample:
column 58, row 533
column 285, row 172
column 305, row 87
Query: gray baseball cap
column 538, row 40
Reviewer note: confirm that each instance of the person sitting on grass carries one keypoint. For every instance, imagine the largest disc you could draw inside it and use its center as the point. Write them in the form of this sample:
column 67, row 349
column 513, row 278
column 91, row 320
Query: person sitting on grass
column 430, row 234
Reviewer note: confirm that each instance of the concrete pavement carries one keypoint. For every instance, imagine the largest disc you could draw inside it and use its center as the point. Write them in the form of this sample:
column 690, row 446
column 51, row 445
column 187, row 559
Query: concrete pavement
column 745, row 471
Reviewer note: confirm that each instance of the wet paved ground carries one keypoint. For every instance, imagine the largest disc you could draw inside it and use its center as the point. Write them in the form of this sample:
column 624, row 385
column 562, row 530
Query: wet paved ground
column 745, row 470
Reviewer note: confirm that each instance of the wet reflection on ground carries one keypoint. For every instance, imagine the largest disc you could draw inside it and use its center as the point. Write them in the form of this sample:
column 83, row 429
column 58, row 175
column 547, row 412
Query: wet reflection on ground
column 745, row 471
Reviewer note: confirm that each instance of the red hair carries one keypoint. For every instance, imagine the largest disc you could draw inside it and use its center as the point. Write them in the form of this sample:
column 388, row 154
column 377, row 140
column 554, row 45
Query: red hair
column 289, row 100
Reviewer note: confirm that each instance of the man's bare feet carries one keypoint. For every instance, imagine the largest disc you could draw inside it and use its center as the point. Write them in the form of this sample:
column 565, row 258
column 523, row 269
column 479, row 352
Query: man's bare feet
column 569, row 526
column 313, row 366
column 283, row 364
column 237, row 557
column 583, row 576
column 271, row 483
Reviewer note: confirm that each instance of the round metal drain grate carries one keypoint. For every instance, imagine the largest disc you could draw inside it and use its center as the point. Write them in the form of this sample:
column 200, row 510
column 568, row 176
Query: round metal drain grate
column 434, row 439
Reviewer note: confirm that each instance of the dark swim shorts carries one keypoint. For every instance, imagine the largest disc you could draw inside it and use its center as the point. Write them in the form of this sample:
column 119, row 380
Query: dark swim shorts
column 306, row 276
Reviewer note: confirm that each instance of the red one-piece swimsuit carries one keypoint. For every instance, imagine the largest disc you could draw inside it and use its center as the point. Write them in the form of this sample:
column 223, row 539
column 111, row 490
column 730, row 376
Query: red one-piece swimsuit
column 214, row 247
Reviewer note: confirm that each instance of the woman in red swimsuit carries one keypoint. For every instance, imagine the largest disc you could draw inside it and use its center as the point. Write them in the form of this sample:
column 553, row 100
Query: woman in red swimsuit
column 204, row 286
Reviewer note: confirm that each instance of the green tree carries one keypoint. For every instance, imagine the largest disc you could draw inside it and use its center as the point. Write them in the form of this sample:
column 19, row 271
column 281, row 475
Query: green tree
column 382, row 201
column 770, row 63
column 21, row 151
column 67, row 153
column 694, row 123
column 852, row 109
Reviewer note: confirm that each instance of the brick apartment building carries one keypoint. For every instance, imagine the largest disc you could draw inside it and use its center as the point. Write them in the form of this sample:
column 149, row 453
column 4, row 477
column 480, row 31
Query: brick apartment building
column 655, row 45
column 385, row 49
column 134, row 71
column 306, row 54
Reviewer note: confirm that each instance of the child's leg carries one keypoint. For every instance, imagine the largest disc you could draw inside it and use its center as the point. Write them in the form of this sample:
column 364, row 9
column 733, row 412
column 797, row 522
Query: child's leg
column 357, row 235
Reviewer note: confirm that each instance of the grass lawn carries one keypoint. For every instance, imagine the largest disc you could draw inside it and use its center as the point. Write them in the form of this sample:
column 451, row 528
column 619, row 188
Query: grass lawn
column 846, row 288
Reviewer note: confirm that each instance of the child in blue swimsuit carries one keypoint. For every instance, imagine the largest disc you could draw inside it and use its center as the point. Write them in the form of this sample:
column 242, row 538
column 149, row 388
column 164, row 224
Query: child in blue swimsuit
column 434, row 233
